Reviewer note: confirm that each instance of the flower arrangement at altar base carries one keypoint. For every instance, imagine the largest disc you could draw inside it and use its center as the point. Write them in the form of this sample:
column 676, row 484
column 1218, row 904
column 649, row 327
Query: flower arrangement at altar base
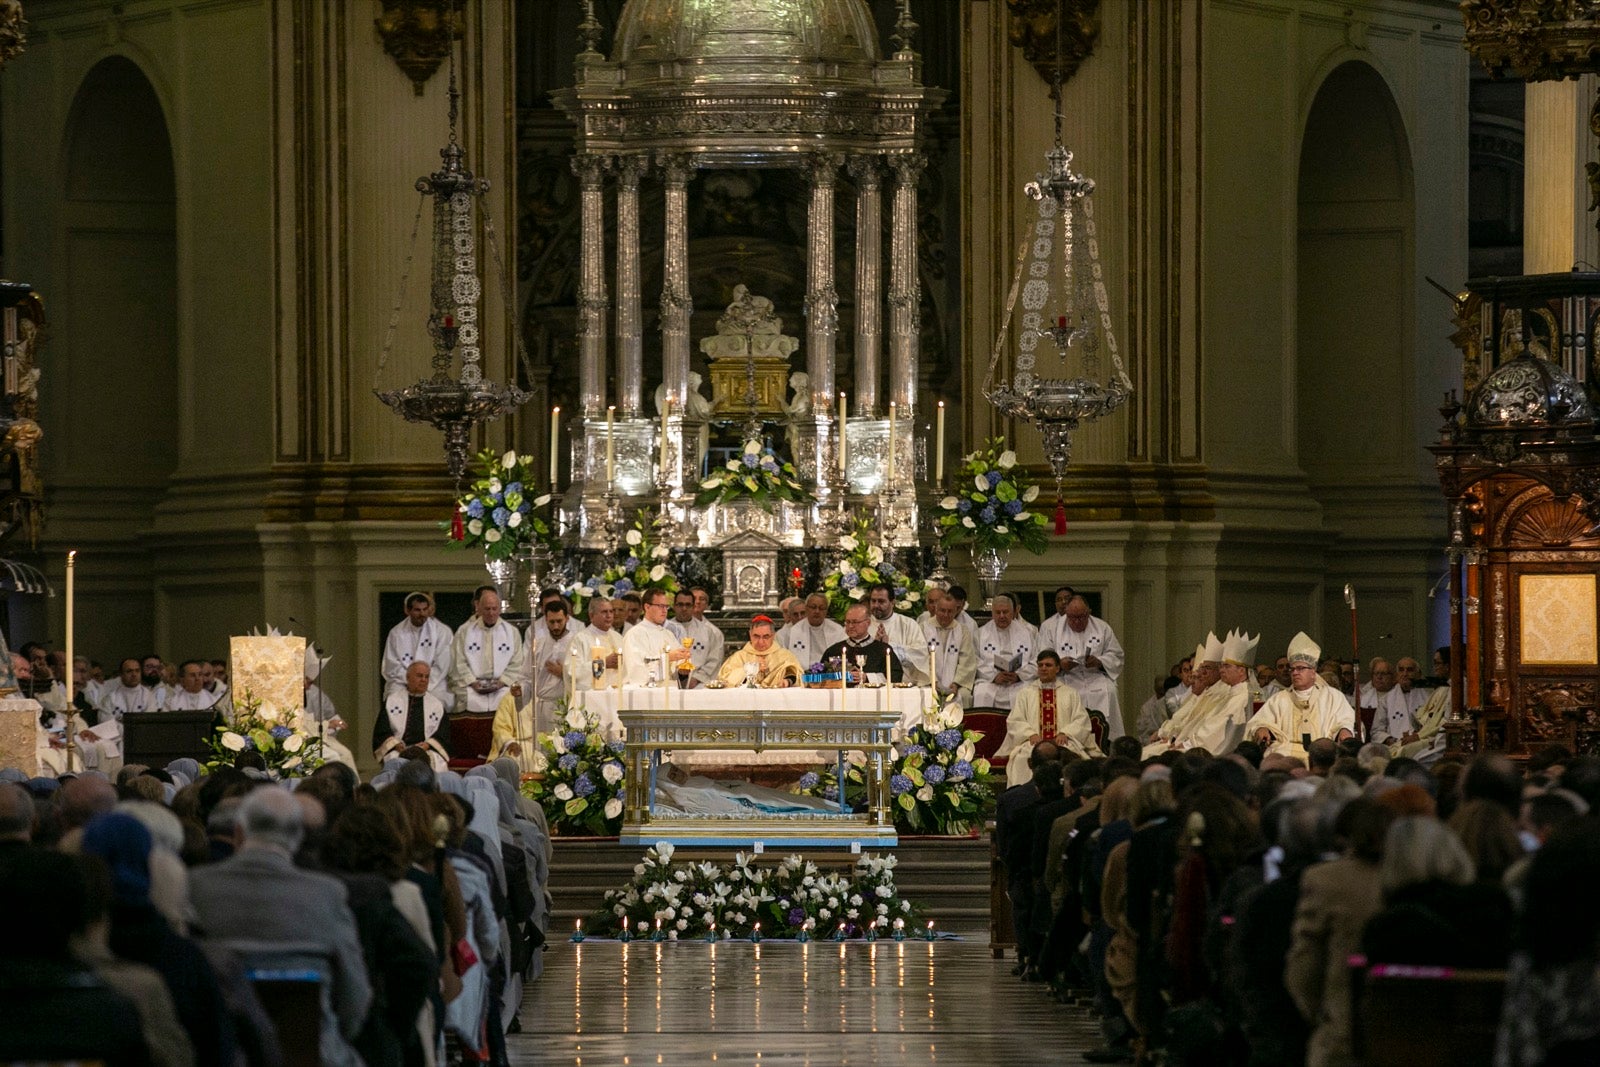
column 497, row 513
column 289, row 751
column 758, row 475
column 937, row 783
column 641, row 565
column 578, row 777
column 989, row 509
column 864, row 565
column 680, row 901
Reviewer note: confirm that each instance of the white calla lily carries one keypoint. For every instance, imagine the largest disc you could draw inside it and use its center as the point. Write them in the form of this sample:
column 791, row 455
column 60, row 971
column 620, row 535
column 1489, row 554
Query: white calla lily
column 1007, row 460
column 491, row 536
column 633, row 537
column 966, row 520
column 515, row 520
column 613, row 807
column 658, row 572
column 982, row 482
column 949, row 503
column 1030, row 494
column 293, row 743
column 233, row 742
column 509, row 460
column 563, row 791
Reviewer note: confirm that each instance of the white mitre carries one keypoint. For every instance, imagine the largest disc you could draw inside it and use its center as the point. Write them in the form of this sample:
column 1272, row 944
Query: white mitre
column 1199, row 653
column 1240, row 648
column 1304, row 650
column 1211, row 651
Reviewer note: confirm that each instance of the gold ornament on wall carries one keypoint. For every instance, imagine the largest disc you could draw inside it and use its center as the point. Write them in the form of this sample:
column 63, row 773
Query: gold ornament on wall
column 418, row 34
column 13, row 30
column 1055, row 34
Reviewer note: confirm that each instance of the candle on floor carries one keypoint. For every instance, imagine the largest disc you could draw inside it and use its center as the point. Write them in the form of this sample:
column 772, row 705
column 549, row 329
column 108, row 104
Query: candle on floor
column 889, row 475
column 844, row 444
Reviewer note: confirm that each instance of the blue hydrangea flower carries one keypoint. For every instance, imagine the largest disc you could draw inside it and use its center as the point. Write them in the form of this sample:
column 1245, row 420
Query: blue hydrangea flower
column 573, row 739
column 280, row 732
column 631, row 564
column 750, row 461
column 797, row 916
column 809, row 780
column 986, row 515
column 769, row 464
column 514, row 487
column 949, row 740
column 616, row 746
column 912, row 750
column 899, row 783
column 849, row 581
column 1013, row 507
column 994, row 479
column 567, row 762
column 500, row 516
column 250, row 744
column 963, row 505
column 474, row 509
column 830, row 792
column 582, row 786
column 960, row 771
column 624, row 585
column 933, row 775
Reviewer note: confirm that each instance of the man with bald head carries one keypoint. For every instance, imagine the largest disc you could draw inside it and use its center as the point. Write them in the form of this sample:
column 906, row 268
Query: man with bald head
column 413, row 718
column 793, row 609
column 600, row 640
column 809, row 638
column 1397, row 707
column 1091, row 662
column 487, row 656
column 1005, row 656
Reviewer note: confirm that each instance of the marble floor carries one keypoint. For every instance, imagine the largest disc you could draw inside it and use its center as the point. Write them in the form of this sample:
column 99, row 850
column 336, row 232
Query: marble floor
column 781, row 1003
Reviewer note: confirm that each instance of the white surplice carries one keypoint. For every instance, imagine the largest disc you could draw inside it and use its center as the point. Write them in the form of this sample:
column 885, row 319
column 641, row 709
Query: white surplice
column 956, row 657
column 1097, row 687
column 478, row 652
column 808, row 642
column 901, row 633
column 997, row 648
column 431, row 643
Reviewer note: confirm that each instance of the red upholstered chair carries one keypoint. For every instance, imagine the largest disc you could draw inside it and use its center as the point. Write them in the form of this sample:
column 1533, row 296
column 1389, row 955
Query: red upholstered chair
column 991, row 723
column 1099, row 727
column 470, row 737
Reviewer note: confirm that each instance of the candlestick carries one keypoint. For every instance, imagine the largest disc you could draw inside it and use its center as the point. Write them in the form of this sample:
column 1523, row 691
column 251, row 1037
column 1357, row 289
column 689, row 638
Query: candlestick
column 71, row 598
column 938, row 445
column 840, row 935
column 666, row 464
column 899, row 929
column 657, row 936
column 555, row 443
column 711, row 933
column 844, row 445
column 577, row 932
column 889, row 475
column 611, row 445
column 755, row 933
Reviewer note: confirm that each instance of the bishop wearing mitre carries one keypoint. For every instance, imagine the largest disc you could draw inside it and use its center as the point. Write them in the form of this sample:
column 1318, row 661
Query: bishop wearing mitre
column 1308, row 710
column 1213, row 719
column 775, row 667
column 1046, row 708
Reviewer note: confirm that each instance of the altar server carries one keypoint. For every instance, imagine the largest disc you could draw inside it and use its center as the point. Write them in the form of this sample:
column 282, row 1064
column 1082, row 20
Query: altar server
column 774, row 666
column 649, row 646
column 952, row 651
column 487, row 655
column 899, row 632
column 550, row 659
column 411, row 718
column 810, row 638
column 419, row 636
column 1308, row 709
column 1005, row 657
column 603, row 641
column 127, row 695
column 1091, row 662
column 705, row 640
column 1045, row 708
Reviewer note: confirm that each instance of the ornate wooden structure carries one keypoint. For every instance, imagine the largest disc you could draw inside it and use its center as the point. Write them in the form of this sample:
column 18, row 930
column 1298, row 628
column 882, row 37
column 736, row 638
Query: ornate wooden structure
column 1520, row 467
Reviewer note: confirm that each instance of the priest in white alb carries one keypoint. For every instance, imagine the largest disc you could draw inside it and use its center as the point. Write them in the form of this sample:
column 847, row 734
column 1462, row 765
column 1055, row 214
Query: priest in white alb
column 487, row 655
column 705, row 641
column 953, row 653
column 602, row 641
column 899, row 632
column 419, row 636
column 191, row 694
column 1005, row 657
column 813, row 634
column 1045, row 708
column 1051, row 631
column 1309, row 710
column 1091, row 662
column 127, row 694
column 1397, row 707
column 649, row 650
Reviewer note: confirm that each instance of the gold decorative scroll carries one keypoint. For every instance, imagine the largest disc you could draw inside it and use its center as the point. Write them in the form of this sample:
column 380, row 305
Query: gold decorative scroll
column 1033, row 29
column 418, row 34
column 1556, row 619
column 271, row 670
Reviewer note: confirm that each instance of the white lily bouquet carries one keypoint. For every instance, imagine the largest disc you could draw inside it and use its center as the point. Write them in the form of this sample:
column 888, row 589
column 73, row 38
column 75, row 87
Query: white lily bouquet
column 642, row 564
column 990, row 510
column 579, row 777
column 288, row 751
column 759, row 475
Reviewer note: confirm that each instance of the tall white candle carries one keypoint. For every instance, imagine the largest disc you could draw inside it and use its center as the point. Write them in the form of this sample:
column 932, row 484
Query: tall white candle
column 555, row 443
column 611, row 446
column 844, row 445
column 938, row 446
column 666, row 414
column 889, row 476
column 71, row 596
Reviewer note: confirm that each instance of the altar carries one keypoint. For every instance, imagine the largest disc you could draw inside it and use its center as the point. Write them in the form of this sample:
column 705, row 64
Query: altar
column 746, row 726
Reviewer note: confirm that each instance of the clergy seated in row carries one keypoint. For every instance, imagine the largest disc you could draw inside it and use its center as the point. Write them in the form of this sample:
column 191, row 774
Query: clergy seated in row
column 934, row 594
column 601, row 640
column 127, row 694
column 191, row 693
column 864, row 657
column 899, row 632
column 487, row 656
column 1215, row 716
column 97, row 747
column 650, row 651
column 1005, row 656
column 814, row 633
column 319, row 718
column 762, row 662
column 1052, row 632
column 953, row 649
column 419, row 636
column 1308, row 710
column 413, row 718
column 1045, row 709
column 1091, row 662
column 703, row 640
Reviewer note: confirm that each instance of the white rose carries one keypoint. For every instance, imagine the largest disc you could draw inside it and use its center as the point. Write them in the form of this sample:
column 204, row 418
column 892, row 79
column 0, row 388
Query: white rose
column 658, row 572
column 680, row 876
column 949, row 503
column 1030, row 494
column 611, row 771
column 883, row 909
column 682, row 924
column 475, row 527
column 642, row 926
column 515, row 520
column 855, row 899
column 492, row 536
column 824, row 913
column 232, row 742
column 884, row 891
column 564, row 792
column 293, row 743
column 982, row 482
column 664, row 850
column 634, row 537
column 966, row 520
column 853, row 913
column 509, row 460
column 1007, row 460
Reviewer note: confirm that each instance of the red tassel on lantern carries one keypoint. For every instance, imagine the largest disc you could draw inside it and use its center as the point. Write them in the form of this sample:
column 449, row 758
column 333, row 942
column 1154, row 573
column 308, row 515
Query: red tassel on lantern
column 458, row 532
column 1061, row 516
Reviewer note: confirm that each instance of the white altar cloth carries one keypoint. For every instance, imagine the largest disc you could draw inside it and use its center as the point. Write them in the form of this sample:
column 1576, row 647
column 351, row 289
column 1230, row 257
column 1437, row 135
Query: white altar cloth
column 907, row 705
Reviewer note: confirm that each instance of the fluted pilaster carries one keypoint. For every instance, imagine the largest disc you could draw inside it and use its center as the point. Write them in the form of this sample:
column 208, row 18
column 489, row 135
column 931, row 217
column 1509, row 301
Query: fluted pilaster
column 630, row 329
column 905, row 291
column 867, row 173
column 592, row 298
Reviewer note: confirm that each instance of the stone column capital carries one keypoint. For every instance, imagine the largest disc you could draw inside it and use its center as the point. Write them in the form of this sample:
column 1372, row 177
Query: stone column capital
column 822, row 168
column 677, row 167
column 865, row 170
column 591, row 170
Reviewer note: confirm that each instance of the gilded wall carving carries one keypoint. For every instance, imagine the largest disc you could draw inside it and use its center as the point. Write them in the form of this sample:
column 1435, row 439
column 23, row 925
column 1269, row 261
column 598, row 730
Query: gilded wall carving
column 1055, row 50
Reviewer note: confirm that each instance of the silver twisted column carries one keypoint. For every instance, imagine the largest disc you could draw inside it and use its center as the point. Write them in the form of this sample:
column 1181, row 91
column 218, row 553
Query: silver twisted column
column 822, row 299
column 676, row 304
column 592, row 300
column 905, row 290
column 866, row 171
column 630, row 329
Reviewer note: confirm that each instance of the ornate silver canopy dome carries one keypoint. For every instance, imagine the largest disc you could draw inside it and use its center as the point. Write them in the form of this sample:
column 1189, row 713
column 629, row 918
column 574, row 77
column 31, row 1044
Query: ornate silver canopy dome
column 1529, row 393
column 685, row 43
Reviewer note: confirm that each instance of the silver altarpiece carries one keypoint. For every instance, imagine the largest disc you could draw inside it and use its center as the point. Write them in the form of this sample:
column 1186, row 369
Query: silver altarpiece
column 698, row 84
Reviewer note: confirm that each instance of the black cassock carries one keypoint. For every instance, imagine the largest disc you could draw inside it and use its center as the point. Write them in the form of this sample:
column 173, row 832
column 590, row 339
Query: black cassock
column 878, row 657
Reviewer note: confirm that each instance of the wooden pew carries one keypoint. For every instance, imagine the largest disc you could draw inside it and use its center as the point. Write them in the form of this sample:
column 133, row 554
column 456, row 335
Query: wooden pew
column 1424, row 1016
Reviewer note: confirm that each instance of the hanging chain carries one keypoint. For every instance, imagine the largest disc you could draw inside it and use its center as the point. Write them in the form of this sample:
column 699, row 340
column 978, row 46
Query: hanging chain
column 400, row 297
column 505, row 292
